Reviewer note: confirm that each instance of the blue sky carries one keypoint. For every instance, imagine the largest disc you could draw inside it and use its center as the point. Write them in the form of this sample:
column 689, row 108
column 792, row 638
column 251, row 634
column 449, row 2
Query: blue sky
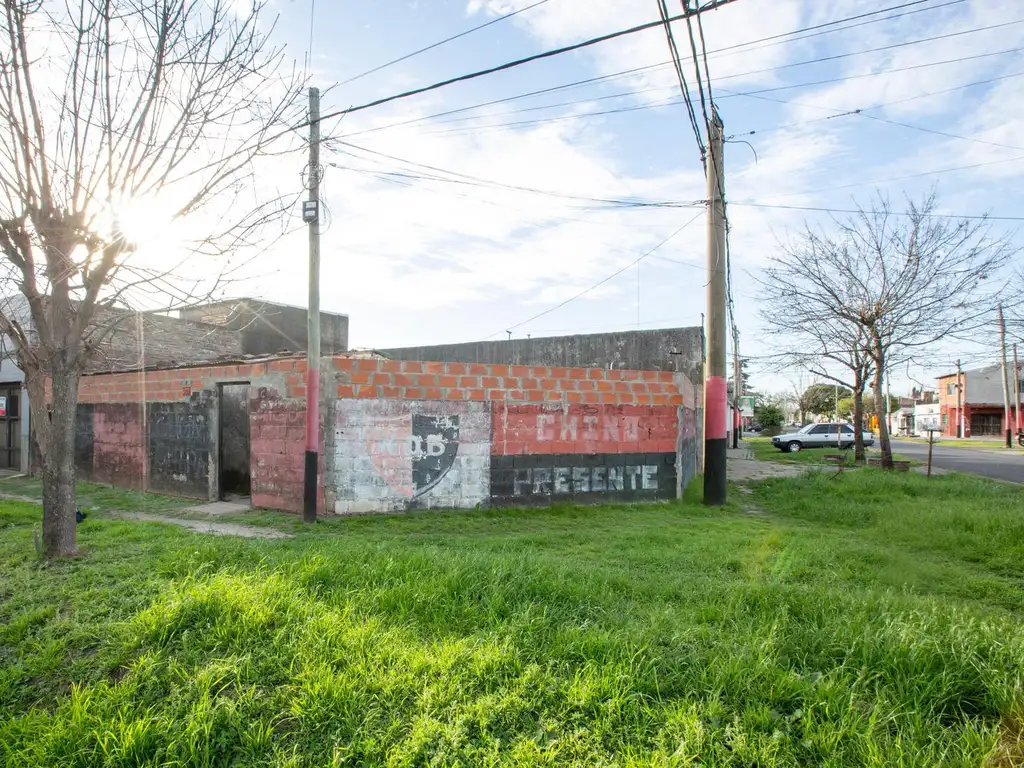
column 416, row 260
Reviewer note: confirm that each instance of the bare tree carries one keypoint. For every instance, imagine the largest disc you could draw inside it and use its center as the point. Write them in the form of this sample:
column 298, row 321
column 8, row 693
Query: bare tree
column 893, row 284
column 814, row 339
column 109, row 105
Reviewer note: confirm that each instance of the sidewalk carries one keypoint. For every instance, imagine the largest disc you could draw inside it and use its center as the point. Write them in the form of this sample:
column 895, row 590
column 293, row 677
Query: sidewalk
column 742, row 467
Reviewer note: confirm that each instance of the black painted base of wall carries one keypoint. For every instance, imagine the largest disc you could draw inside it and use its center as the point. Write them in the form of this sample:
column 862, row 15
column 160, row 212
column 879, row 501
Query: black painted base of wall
column 542, row 479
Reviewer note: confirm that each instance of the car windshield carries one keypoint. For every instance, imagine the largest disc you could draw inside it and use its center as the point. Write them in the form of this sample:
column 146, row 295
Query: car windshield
column 806, row 428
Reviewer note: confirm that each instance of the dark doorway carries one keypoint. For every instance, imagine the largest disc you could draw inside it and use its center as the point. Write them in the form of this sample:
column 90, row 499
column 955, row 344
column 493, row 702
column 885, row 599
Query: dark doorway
column 234, row 441
column 986, row 424
column 10, row 426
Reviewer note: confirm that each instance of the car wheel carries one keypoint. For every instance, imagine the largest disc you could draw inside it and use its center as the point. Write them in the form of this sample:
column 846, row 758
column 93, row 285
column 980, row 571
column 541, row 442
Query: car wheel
column 846, row 446
column 793, row 447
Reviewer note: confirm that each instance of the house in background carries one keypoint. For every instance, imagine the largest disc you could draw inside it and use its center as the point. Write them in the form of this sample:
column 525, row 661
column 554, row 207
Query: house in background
column 902, row 419
column 976, row 396
column 13, row 415
column 927, row 417
column 234, row 329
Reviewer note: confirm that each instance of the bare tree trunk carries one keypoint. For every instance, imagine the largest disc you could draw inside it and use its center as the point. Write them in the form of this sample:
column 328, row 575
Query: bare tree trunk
column 858, row 422
column 58, row 468
column 883, row 427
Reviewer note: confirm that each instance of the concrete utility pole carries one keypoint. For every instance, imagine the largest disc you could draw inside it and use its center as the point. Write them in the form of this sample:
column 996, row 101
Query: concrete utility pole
column 311, row 214
column 715, row 387
column 1016, row 390
column 737, row 388
column 1006, row 384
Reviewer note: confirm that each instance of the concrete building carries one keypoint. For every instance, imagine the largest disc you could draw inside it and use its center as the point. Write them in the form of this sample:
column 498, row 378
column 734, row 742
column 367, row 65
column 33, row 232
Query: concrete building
column 14, row 441
column 266, row 328
column 980, row 401
column 394, row 435
column 228, row 330
column 680, row 350
column 927, row 416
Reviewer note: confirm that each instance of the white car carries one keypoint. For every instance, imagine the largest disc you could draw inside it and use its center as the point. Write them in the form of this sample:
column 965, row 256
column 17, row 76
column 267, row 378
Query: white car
column 819, row 436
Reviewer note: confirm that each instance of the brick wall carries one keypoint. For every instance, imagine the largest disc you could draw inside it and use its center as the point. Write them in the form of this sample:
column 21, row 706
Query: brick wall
column 555, row 434
column 176, row 450
column 401, row 435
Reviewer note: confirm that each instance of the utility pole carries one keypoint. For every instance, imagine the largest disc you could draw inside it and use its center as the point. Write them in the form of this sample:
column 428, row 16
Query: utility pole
column 959, row 400
column 715, row 387
column 1016, row 390
column 1006, row 383
column 737, row 388
column 311, row 215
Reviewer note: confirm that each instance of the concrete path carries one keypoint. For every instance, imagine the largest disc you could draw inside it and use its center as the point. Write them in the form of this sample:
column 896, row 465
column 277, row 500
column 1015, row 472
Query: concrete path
column 742, row 467
column 218, row 508
column 201, row 526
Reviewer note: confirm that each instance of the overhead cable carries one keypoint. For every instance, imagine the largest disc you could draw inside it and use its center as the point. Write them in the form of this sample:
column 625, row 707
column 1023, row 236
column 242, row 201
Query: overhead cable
column 439, row 43
column 599, row 283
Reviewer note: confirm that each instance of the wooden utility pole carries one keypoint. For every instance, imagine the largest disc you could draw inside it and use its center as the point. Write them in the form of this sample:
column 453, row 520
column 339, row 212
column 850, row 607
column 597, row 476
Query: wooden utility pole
column 311, row 215
column 959, row 401
column 715, row 387
column 1006, row 383
column 931, row 441
column 1016, row 390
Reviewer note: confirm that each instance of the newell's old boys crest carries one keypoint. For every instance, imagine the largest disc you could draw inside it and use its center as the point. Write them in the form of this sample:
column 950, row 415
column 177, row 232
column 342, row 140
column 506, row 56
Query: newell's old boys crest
column 413, row 453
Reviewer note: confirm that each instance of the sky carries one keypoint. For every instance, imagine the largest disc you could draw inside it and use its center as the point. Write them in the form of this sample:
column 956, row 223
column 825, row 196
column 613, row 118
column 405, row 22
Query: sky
column 512, row 219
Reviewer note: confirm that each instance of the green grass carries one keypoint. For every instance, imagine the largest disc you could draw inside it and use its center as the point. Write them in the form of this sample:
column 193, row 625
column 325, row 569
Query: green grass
column 763, row 450
column 992, row 445
column 868, row 619
column 92, row 496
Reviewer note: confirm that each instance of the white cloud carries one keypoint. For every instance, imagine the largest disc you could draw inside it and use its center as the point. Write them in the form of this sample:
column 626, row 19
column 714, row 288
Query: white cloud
column 419, row 260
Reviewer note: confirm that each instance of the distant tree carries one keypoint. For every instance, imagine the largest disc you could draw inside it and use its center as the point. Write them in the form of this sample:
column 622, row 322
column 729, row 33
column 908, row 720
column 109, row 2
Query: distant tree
column 899, row 281
column 820, row 399
column 745, row 385
column 770, row 416
column 813, row 339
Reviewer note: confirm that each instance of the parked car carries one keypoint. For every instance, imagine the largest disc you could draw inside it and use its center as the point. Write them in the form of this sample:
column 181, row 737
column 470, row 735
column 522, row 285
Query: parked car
column 819, row 436
column 753, row 429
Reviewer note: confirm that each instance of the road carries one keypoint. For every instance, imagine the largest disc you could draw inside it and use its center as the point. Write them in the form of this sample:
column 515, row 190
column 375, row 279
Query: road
column 976, row 461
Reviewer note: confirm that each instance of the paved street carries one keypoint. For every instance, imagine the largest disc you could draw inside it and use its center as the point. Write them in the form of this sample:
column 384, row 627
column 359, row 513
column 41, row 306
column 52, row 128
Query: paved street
column 977, row 461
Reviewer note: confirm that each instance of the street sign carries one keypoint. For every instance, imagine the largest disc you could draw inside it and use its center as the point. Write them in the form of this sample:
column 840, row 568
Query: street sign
column 747, row 407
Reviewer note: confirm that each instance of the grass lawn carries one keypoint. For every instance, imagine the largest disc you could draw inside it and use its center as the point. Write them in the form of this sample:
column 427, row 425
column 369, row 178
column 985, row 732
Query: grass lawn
column 763, row 450
column 865, row 619
column 947, row 442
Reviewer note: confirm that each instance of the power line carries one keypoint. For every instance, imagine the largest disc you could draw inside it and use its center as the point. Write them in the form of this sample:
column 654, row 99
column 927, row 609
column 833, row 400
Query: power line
column 631, row 203
column 861, row 110
column 816, row 29
column 440, row 43
column 876, row 74
column 710, row 4
column 655, row 204
column 750, row 204
column 312, row 19
column 598, row 284
column 756, row 93
column 683, row 87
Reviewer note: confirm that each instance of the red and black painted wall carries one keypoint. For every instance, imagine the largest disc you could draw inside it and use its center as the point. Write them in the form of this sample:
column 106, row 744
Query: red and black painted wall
column 398, row 435
column 604, row 452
